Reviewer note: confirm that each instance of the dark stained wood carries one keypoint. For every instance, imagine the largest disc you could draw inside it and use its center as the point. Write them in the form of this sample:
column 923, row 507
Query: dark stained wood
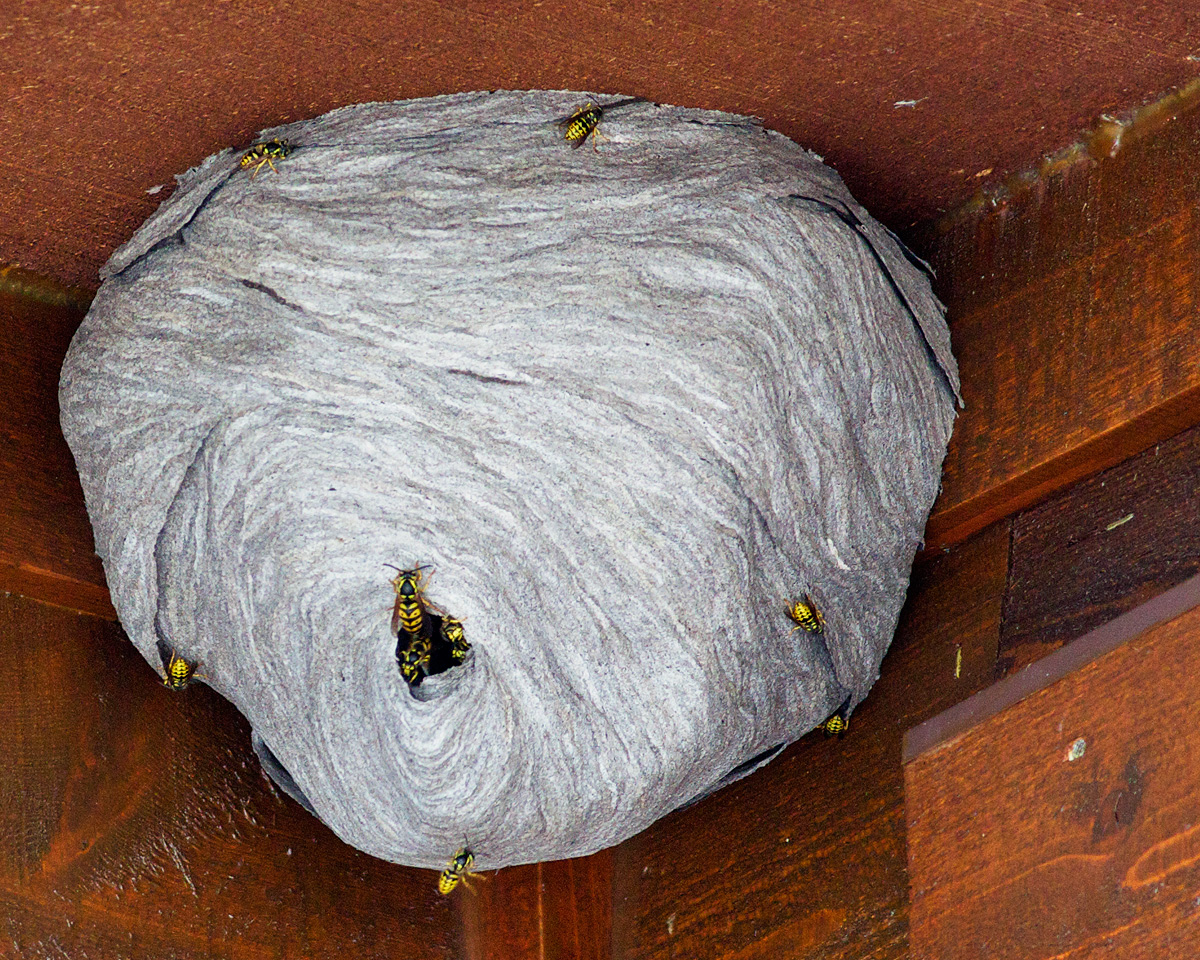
column 1066, row 660
column 135, row 822
column 807, row 856
column 917, row 106
column 550, row 911
column 1071, row 293
column 1072, row 308
column 46, row 548
column 1101, row 548
column 1016, row 850
column 577, row 918
column 503, row 919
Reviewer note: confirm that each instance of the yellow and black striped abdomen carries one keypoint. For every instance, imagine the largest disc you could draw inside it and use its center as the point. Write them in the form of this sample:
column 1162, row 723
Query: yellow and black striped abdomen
column 806, row 616
column 179, row 673
column 408, row 615
column 839, row 722
column 579, row 126
column 835, row 725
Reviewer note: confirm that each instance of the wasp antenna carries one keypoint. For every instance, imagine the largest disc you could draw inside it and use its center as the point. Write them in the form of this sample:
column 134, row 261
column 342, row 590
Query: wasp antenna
column 623, row 103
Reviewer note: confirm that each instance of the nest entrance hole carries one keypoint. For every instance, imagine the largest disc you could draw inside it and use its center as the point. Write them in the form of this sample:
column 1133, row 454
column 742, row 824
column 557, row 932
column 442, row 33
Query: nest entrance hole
column 441, row 651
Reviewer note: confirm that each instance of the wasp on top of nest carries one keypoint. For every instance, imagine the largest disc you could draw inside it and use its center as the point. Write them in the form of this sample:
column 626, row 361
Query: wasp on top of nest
column 581, row 124
column 264, row 154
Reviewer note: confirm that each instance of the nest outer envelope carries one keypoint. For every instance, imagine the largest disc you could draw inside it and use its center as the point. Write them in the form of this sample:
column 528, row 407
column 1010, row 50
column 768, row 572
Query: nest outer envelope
column 626, row 403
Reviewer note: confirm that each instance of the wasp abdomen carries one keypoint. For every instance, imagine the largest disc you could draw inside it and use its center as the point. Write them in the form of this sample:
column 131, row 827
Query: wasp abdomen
column 581, row 124
column 806, row 615
column 265, row 153
column 839, row 722
column 179, row 672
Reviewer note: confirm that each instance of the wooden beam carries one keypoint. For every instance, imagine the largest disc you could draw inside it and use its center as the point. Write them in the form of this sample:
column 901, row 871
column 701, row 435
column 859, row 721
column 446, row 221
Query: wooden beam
column 46, row 547
column 1063, row 826
column 806, row 857
column 136, row 822
column 1073, row 305
column 560, row 910
column 102, row 112
column 1101, row 548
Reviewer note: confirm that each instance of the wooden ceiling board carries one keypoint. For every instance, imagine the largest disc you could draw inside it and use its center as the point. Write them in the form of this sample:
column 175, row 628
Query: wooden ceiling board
column 912, row 102
column 1063, row 826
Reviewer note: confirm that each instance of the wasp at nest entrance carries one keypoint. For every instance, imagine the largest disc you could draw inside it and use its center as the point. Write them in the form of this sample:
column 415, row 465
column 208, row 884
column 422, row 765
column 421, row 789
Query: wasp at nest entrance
column 428, row 640
column 457, row 871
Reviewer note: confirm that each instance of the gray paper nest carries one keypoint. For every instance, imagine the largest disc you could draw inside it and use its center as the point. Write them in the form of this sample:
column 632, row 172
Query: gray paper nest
column 627, row 404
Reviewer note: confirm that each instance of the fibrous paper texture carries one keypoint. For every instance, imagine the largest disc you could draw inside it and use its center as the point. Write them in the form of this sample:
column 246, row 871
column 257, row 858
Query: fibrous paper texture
column 626, row 403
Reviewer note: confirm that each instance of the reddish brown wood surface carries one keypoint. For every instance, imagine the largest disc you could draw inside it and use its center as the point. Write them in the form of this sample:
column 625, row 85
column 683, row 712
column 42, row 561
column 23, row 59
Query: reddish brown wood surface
column 46, row 548
column 135, row 823
column 1017, row 851
column 1101, row 548
column 548, row 911
column 807, row 856
column 577, row 920
column 503, row 917
column 1072, row 310
column 916, row 105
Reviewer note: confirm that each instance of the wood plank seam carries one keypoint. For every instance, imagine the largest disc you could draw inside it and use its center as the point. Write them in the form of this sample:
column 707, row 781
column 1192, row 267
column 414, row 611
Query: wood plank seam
column 941, row 730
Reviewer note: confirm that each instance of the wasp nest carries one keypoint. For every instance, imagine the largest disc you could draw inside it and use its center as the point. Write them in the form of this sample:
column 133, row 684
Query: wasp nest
column 620, row 408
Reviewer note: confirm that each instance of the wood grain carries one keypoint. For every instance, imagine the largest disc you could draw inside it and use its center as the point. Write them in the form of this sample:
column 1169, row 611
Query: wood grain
column 578, row 896
column 1016, row 850
column 1101, row 548
column 1072, row 310
column 559, row 910
column 46, row 548
column 807, row 856
column 503, row 918
column 106, row 106
column 135, row 822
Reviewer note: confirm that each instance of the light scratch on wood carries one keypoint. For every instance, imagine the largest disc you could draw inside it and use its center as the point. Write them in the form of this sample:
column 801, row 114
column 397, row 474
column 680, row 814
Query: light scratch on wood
column 1117, row 523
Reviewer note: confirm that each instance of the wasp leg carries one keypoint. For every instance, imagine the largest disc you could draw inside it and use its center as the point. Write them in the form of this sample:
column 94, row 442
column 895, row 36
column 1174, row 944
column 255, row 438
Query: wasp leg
column 473, row 876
